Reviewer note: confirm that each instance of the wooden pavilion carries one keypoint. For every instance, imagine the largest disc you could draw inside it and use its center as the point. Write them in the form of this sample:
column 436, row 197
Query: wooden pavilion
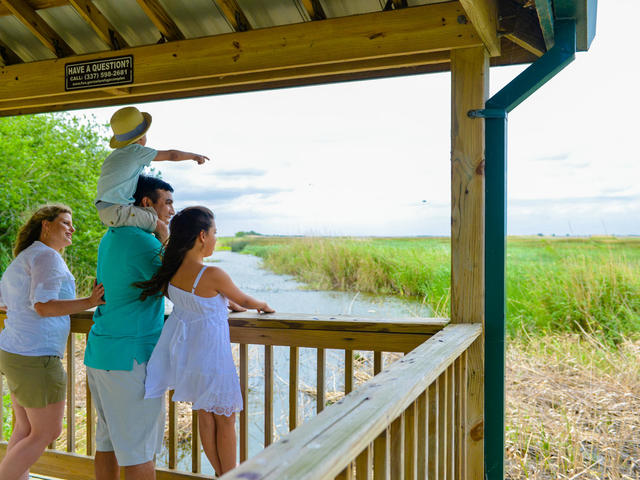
column 436, row 413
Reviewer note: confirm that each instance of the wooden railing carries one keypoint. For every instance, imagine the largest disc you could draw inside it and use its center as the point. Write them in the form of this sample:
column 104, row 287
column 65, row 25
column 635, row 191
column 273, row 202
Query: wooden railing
column 408, row 422
column 297, row 331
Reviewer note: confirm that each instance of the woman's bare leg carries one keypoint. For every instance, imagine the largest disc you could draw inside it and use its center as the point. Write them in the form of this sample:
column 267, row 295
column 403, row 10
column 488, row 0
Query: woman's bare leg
column 207, row 428
column 226, row 441
column 21, row 429
column 46, row 425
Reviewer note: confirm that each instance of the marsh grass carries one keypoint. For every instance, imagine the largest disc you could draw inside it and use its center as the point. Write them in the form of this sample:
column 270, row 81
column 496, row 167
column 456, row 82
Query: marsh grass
column 553, row 284
column 572, row 408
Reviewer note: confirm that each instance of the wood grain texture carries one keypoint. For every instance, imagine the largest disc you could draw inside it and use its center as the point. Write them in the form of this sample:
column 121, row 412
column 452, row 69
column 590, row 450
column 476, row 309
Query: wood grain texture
column 355, row 421
column 469, row 87
column 382, row 35
column 234, row 15
column 483, row 14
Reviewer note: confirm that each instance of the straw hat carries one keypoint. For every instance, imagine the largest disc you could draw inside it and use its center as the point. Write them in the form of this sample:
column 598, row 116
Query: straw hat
column 128, row 125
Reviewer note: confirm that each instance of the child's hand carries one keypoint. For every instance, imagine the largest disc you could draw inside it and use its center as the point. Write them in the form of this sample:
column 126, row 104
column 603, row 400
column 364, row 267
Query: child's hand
column 200, row 159
column 234, row 307
column 162, row 229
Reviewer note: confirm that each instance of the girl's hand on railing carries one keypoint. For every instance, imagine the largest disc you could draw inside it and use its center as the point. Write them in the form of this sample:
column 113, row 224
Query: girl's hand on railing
column 264, row 308
column 234, row 307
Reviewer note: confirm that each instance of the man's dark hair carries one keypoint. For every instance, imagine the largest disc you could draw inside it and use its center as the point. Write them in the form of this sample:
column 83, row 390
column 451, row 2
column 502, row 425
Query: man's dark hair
column 148, row 187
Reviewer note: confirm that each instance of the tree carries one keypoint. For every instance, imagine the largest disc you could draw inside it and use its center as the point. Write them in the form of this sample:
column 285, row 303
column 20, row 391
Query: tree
column 52, row 158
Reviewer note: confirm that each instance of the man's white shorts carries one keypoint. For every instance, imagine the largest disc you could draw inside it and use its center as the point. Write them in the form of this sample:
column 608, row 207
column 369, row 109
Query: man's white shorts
column 128, row 424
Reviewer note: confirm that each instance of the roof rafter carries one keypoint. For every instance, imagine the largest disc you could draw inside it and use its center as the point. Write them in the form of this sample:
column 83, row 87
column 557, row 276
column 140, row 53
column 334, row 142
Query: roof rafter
column 161, row 19
column 234, row 15
column 8, row 56
column 314, row 9
column 483, row 14
column 99, row 23
column 293, row 53
column 30, row 19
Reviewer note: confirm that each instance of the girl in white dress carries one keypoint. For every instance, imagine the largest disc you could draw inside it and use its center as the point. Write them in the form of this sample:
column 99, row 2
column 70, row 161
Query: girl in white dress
column 193, row 355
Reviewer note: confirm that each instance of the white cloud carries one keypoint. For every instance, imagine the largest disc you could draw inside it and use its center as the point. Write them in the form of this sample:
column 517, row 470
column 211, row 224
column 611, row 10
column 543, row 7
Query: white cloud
column 373, row 157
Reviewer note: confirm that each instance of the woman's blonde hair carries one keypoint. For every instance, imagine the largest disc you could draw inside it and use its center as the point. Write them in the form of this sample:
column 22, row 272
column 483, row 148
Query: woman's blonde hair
column 30, row 231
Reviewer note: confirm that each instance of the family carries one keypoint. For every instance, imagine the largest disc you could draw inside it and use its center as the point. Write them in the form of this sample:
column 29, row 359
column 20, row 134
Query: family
column 132, row 355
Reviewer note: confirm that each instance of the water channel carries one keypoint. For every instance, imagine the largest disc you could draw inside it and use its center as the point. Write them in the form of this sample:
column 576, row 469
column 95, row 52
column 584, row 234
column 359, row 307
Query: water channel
column 286, row 295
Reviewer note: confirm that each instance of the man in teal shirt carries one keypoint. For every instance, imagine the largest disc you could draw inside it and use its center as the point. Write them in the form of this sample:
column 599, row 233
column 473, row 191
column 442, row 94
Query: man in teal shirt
column 130, row 428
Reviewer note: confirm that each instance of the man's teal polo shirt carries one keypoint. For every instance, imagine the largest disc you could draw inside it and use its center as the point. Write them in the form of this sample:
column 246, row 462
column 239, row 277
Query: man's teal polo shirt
column 125, row 328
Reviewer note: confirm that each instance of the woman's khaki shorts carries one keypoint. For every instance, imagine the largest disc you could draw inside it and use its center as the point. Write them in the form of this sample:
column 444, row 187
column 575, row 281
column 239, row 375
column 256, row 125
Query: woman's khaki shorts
column 35, row 381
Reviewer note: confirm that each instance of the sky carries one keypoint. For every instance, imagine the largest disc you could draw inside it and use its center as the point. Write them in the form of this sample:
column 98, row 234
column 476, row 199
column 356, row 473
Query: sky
column 373, row 157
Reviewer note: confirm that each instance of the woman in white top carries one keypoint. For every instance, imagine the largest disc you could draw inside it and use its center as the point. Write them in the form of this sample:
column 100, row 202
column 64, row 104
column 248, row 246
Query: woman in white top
column 38, row 293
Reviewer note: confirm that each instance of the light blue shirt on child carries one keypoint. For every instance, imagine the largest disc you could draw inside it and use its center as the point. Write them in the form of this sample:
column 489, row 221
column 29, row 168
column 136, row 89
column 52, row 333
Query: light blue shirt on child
column 120, row 172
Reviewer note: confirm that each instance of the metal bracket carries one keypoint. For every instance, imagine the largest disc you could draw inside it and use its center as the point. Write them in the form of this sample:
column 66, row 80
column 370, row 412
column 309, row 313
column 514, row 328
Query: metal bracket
column 487, row 113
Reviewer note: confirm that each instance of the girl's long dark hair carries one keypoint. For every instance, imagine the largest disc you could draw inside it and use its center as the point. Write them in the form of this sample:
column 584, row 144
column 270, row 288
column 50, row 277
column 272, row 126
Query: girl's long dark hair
column 184, row 229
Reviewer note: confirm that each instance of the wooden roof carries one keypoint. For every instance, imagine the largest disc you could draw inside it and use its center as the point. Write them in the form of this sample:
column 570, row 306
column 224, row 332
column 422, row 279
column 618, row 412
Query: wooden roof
column 180, row 48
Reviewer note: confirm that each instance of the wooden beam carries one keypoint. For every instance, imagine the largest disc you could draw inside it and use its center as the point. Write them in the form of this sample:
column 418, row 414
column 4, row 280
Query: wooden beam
column 30, row 19
column 8, row 56
column 529, row 47
column 161, row 19
column 483, row 14
column 36, row 5
column 469, row 91
column 235, row 83
column 545, row 16
column 234, row 15
column 99, row 23
column 314, row 9
column 377, row 37
column 521, row 26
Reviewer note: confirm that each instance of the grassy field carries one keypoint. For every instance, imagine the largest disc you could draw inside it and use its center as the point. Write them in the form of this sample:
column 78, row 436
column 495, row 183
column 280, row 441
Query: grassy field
column 573, row 318
column 553, row 284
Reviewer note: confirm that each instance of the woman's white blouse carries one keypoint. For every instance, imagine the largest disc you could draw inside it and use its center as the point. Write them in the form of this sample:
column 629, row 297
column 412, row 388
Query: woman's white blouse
column 38, row 274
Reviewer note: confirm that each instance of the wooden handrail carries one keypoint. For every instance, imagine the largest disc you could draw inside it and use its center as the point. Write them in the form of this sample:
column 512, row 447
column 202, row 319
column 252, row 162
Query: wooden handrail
column 248, row 328
column 326, row 444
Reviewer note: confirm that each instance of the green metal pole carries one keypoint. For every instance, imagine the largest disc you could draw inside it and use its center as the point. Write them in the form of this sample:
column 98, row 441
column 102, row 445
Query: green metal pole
column 495, row 113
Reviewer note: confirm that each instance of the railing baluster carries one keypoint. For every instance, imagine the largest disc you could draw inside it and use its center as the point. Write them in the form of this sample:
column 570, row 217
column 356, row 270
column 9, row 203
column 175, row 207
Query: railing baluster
column 268, row 395
column 377, row 362
column 442, row 426
column 1, row 407
column 346, row 474
column 410, row 443
column 90, row 420
column 461, row 415
column 381, row 462
column 363, row 465
column 244, row 414
column 451, row 419
column 348, row 371
column 173, row 432
column 196, row 465
column 71, row 394
column 321, row 366
column 293, row 387
column 422, row 443
column 397, row 448
column 434, row 413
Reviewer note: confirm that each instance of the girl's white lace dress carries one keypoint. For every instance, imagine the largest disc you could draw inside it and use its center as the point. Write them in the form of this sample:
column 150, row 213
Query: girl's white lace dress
column 193, row 355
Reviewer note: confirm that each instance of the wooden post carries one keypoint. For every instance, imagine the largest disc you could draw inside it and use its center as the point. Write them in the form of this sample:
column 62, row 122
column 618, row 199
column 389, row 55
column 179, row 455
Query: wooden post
column 469, row 91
